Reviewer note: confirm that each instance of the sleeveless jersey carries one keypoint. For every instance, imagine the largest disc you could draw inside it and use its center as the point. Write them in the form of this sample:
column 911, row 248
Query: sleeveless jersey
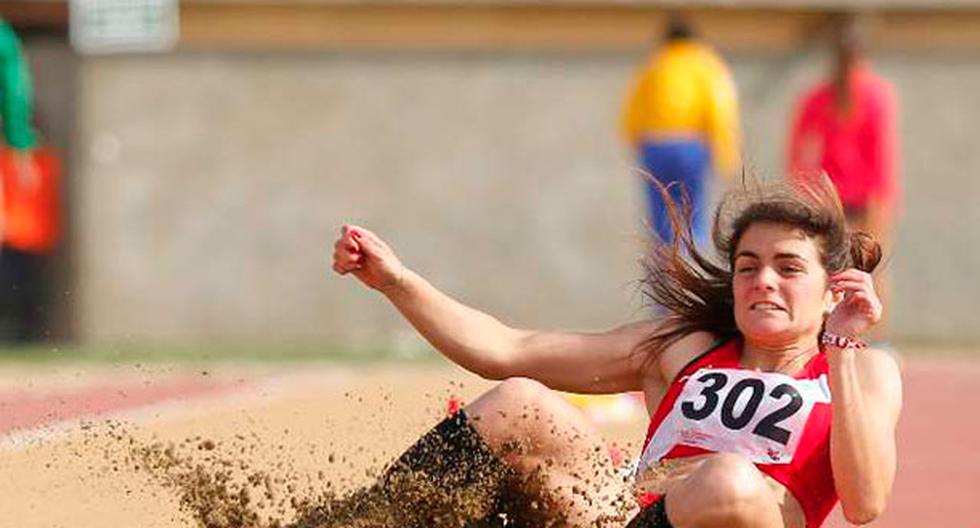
column 779, row 422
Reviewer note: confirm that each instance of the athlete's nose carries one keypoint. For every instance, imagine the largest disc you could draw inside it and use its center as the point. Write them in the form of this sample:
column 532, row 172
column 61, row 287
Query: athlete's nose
column 765, row 279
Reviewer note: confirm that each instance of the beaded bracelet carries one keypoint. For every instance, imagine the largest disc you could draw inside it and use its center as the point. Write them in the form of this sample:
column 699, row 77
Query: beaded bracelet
column 842, row 342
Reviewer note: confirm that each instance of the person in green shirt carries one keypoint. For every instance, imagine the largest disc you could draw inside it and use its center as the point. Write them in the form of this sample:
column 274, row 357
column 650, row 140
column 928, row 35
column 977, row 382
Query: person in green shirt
column 21, row 280
column 16, row 104
column 15, row 92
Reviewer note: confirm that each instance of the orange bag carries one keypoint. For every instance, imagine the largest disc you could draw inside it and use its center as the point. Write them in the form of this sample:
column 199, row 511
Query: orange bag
column 31, row 207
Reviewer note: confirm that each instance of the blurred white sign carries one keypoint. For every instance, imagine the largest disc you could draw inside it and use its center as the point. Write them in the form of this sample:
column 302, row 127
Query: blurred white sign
column 114, row 26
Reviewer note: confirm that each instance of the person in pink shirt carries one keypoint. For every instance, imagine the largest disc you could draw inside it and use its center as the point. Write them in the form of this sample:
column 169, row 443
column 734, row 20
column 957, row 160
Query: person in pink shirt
column 845, row 127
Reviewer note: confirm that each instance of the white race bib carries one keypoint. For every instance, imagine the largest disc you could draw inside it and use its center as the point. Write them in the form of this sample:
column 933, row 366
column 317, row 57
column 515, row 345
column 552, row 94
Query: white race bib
column 760, row 415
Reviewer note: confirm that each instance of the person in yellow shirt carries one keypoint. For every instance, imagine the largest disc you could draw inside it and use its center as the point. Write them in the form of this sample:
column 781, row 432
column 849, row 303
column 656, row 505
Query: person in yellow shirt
column 682, row 121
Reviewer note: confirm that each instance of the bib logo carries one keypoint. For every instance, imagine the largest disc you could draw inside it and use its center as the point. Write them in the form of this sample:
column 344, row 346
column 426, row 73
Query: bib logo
column 694, row 437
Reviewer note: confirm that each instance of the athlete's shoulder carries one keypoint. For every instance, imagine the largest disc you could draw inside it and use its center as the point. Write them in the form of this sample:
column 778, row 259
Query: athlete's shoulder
column 686, row 349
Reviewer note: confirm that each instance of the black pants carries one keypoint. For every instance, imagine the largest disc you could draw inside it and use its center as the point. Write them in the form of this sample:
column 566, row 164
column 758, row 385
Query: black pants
column 23, row 302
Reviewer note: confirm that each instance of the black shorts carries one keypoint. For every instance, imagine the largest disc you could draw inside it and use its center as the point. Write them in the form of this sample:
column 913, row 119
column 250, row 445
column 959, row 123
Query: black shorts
column 653, row 516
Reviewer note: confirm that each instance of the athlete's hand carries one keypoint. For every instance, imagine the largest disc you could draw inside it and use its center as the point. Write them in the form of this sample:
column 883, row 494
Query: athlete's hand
column 364, row 255
column 859, row 308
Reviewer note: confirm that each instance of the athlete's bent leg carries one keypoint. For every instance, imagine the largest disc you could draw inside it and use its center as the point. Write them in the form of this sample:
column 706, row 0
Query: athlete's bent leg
column 550, row 443
column 518, row 453
column 727, row 491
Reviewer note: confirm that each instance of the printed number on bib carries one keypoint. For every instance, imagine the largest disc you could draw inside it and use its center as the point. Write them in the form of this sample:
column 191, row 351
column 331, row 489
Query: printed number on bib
column 757, row 414
column 736, row 417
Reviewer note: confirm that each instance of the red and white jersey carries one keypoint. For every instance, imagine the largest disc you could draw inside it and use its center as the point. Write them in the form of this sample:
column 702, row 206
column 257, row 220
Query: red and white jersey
column 781, row 423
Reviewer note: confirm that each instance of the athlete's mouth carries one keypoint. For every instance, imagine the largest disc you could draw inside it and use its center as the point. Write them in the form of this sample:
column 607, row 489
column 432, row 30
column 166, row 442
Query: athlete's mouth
column 766, row 306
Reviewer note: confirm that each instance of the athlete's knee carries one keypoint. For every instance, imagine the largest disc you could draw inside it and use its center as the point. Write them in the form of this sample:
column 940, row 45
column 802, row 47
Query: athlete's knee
column 734, row 482
column 523, row 391
column 729, row 490
column 496, row 411
column 521, row 409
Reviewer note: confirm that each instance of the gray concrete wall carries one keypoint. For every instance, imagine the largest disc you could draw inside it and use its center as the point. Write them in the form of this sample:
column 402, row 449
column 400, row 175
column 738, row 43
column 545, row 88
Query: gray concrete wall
column 53, row 68
column 209, row 186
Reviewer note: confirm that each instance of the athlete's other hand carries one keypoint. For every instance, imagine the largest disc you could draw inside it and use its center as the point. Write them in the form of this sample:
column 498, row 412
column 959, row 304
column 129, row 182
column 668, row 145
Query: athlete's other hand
column 859, row 308
column 363, row 254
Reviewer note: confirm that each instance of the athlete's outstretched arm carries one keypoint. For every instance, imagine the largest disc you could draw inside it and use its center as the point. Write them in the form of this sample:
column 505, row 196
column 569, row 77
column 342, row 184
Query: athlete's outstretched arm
column 602, row 362
column 866, row 392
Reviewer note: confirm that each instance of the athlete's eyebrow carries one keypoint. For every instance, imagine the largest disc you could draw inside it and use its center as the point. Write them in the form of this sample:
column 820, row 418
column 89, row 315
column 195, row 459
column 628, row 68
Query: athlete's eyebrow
column 779, row 256
column 789, row 256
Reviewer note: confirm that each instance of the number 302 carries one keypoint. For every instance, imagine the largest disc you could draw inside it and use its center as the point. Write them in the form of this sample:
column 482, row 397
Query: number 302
column 767, row 427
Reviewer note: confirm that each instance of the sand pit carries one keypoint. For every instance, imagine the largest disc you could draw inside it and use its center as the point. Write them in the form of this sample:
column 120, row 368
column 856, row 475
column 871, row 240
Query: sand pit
column 301, row 430
column 305, row 429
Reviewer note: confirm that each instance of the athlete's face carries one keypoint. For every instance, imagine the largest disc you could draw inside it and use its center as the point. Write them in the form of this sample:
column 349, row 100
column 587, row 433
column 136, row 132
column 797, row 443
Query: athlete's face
column 780, row 284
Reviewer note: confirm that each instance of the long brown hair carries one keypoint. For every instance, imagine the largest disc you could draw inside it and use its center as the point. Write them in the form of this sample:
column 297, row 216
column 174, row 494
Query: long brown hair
column 694, row 292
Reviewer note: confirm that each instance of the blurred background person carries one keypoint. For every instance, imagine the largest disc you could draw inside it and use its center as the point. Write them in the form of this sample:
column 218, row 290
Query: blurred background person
column 682, row 119
column 15, row 98
column 845, row 126
column 31, row 231
column 30, row 213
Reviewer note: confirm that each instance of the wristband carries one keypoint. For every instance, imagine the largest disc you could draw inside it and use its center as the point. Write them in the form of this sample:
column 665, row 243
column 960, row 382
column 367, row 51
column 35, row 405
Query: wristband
column 842, row 342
